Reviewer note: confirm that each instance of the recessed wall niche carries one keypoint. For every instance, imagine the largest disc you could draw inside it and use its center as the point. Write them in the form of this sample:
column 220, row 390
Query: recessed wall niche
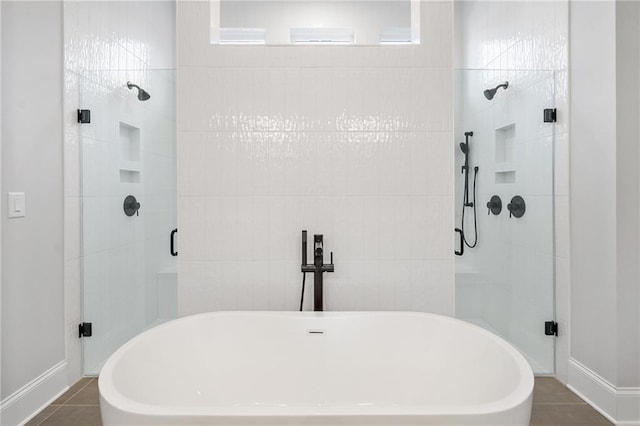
column 505, row 171
column 130, row 168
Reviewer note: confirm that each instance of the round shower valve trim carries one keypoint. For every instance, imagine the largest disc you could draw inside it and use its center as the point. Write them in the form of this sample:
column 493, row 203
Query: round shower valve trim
column 131, row 206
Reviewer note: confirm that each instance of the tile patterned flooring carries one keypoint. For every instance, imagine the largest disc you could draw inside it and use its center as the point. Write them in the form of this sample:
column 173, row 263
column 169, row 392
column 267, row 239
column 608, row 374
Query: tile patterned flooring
column 553, row 405
column 78, row 406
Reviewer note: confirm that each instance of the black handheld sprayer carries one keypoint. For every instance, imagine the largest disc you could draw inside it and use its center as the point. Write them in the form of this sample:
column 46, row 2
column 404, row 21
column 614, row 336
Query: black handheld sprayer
column 464, row 147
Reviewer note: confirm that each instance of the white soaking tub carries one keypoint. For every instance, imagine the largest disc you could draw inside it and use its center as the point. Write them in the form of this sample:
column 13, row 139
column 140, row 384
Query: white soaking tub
column 294, row 368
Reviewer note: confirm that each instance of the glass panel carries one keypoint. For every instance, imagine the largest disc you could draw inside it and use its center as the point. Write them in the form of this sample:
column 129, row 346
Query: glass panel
column 128, row 149
column 286, row 22
column 506, row 283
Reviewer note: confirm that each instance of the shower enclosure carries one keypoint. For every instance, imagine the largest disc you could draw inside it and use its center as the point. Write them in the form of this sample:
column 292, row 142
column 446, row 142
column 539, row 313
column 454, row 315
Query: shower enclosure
column 506, row 282
column 128, row 179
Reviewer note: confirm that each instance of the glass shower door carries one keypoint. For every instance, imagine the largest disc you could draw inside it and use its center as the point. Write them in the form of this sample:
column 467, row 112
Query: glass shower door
column 128, row 174
column 506, row 283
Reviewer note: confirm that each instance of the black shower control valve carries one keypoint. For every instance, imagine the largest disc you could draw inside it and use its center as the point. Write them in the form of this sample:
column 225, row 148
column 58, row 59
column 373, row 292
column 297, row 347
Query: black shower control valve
column 516, row 207
column 131, row 206
column 494, row 205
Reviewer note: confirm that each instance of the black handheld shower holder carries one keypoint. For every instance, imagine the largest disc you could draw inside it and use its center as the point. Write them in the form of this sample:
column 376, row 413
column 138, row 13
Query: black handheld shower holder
column 464, row 147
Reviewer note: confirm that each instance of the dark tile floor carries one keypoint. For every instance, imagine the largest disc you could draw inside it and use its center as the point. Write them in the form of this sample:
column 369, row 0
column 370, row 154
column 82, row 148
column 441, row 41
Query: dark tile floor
column 553, row 405
column 78, row 406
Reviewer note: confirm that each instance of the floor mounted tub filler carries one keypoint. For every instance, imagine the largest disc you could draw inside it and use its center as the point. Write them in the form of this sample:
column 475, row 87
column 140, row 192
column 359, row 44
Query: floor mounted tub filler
column 316, row 368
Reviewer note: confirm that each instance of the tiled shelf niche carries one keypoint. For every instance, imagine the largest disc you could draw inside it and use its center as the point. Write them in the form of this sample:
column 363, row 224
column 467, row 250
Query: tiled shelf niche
column 130, row 166
column 505, row 171
column 129, row 176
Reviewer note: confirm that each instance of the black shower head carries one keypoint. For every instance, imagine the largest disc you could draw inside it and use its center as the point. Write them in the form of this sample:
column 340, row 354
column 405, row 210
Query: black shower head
column 464, row 147
column 143, row 95
column 490, row 93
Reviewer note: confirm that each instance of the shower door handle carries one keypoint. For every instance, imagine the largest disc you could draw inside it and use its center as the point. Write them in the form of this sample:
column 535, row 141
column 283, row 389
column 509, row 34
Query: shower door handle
column 173, row 242
column 461, row 252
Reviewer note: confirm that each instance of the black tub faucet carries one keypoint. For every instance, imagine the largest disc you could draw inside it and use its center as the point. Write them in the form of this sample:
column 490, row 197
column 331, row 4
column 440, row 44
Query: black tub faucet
column 318, row 267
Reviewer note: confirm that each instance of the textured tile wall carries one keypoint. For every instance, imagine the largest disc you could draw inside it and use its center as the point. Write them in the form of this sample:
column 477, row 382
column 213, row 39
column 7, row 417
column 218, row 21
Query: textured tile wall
column 105, row 44
column 531, row 35
column 351, row 142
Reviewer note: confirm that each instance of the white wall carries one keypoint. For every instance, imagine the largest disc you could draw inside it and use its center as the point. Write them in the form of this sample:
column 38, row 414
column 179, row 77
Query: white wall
column 530, row 35
column 32, row 247
column 593, row 182
column 351, row 142
column 604, row 365
column 628, row 191
column 0, row 193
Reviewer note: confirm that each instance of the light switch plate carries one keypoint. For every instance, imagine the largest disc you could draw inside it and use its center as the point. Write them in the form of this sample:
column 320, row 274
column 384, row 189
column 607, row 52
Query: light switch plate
column 17, row 205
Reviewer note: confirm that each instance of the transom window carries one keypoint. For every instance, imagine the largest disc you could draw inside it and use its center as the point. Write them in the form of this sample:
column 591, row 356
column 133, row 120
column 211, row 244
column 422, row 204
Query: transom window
column 315, row 22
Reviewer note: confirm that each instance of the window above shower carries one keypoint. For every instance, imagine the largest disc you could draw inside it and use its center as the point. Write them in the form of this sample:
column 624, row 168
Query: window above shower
column 315, row 22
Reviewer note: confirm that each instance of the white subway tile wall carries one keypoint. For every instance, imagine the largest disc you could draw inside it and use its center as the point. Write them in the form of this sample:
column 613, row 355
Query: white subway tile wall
column 351, row 142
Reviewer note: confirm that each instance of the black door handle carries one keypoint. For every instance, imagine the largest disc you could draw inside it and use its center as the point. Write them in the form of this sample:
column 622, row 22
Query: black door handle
column 173, row 243
column 461, row 252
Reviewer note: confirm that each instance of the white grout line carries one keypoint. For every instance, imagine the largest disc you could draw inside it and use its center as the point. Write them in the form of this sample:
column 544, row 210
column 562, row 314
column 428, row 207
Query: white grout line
column 73, row 395
column 560, row 403
column 52, row 413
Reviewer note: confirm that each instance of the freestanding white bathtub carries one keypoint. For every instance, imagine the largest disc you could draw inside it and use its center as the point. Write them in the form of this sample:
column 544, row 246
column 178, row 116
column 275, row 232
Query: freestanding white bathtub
column 291, row 368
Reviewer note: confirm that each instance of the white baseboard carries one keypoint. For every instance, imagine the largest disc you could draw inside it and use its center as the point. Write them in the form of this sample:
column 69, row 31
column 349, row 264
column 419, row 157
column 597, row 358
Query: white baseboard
column 629, row 406
column 621, row 406
column 25, row 403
